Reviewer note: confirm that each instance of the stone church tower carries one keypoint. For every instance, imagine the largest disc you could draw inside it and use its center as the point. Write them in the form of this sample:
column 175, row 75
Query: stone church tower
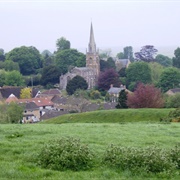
column 92, row 56
column 91, row 72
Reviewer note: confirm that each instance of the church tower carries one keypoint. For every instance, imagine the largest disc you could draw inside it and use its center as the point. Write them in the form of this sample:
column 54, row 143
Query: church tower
column 92, row 56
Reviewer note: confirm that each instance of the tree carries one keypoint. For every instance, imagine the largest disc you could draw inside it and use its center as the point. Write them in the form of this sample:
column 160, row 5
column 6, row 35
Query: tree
column 173, row 101
column 156, row 71
column 15, row 113
column 14, row 78
column 75, row 83
column 28, row 58
column 176, row 59
column 145, row 96
column 2, row 77
column 26, row 93
column 104, row 54
column 10, row 65
column 146, row 53
column 120, row 55
column 138, row 72
column 122, row 100
column 69, row 57
column 63, row 44
column 163, row 60
column 46, row 52
column 2, row 56
column 169, row 79
column 107, row 64
column 106, row 78
column 50, row 75
column 128, row 53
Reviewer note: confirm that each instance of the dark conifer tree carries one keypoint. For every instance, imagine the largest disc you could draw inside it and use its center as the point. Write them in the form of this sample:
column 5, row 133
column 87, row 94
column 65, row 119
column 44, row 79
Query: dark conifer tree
column 122, row 100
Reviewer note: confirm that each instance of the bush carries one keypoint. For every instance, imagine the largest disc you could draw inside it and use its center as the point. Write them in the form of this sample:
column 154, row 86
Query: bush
column 151, row 159
column 66, row 153
column 173, row 101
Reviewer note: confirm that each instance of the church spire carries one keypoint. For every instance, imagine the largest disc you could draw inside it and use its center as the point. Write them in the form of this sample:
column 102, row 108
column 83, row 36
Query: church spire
column 92, row 44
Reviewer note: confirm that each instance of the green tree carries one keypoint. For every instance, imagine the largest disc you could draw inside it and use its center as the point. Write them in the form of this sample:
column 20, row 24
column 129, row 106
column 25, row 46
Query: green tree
column 28, row 58
column 173, row 101
column 63, row 44
column 128, row 53
column 176, row 59
column 50, row 75
column 75, row 83
column 107, row 64
column 138, row 72
column 2, row 77
column 69, row 57
column 15, row 113
column 120, row 55
column 2, row 56
column 122, row 100
column 169, row 79
column 156, row 71
column 10, row 65
column 14, row 78
column 163, row 60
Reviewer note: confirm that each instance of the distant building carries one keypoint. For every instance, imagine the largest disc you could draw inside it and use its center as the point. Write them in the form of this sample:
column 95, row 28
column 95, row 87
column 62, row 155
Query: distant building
column 173, row 91
column 122, row 63
column 91, row 72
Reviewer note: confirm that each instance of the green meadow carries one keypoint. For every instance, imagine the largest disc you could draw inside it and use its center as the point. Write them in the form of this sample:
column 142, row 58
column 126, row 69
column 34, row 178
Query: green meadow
column 20, row 144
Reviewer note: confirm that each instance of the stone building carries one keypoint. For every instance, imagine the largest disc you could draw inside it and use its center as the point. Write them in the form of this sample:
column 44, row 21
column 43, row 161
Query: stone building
column 91, row 72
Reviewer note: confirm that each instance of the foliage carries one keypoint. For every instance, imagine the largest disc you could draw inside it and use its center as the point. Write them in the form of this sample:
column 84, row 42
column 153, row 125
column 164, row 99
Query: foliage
column 169, row 79
column 176, row 59
column 108, row 77
column 15, row 113
column 48, row 60
column 104, row 54
column 122, row 100
column 63, row 44
column 122, row 72
column 173, row 116
column 163, row 60
column 3, row 113
column 120, row 55
column 95, row 94
column 14, row 78
column 46, row 53
column 80, row 93
column 145, row 96
column 75, row 83
column 138, row 72
column 146, row 53
column 26, row 93
column 3, row 77
column 69, row 57
column 9, row 65
column 150, row 159
column 173, row 101
column 66, row 154
column 32, row 80
column 2, row 56
column 156, row 71
column 107, row 64
column 28, row 58
column 128, row 53
column 50, row 75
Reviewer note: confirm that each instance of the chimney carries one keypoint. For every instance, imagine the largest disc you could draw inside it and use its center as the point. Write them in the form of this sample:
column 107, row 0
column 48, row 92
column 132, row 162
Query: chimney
column 111, row 86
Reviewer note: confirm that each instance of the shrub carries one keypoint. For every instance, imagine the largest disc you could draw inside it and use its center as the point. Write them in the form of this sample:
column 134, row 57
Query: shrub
column 66, row 153
column 145, row 96
column 150, row 159
column 173, row 101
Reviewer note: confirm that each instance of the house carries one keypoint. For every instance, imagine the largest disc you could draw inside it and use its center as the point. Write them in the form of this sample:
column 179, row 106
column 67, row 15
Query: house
column 50, row 92
column 31, row 113
column 122, row 63
column 173, row 91
column 114, row 92
column 6, row 91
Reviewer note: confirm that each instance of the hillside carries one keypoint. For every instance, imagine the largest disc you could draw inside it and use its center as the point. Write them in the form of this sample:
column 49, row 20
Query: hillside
column 112, row 116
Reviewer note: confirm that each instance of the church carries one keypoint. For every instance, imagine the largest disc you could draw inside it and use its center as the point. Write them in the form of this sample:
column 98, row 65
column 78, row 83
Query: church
column 91, row 72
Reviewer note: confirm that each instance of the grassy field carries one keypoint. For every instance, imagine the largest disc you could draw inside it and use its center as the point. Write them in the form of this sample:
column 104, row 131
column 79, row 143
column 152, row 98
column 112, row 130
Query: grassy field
column 20, row 144
column 113, row 116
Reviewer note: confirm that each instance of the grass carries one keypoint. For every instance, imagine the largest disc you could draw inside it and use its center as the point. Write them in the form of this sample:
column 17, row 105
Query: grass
column 113, row 116
column 20, row 143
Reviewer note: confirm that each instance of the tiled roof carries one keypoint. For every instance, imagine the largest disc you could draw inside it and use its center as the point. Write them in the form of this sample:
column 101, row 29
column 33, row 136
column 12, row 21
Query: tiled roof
column 52, row 92
column 175, row 90
column 11, row 98
column 52, row 113
column 38, row 101
column 114, row 90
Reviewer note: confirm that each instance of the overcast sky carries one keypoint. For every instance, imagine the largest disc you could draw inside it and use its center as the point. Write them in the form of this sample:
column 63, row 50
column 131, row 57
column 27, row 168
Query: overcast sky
column 116, row 23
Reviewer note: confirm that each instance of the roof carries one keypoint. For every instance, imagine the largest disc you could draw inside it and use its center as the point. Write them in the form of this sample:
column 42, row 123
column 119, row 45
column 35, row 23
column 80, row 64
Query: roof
column 52, row 92
column 52, row 113
column 38, row 101
column 6, row 91
column 11, row 98
column 175, row 90
column 31, row 106
column 115, row 90
column 59, row 100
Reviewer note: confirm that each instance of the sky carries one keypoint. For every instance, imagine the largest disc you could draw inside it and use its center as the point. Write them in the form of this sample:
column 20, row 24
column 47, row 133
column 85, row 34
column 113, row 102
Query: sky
column 116, row 23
